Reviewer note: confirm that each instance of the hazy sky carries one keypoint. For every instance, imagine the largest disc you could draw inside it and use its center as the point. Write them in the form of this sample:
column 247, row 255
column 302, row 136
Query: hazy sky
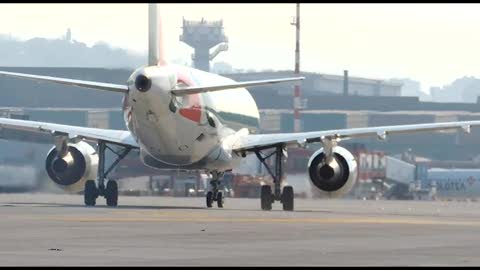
column 432, row 43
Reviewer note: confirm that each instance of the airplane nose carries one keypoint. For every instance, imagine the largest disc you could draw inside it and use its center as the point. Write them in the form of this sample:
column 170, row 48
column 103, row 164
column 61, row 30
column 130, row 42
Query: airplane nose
column 143, row 83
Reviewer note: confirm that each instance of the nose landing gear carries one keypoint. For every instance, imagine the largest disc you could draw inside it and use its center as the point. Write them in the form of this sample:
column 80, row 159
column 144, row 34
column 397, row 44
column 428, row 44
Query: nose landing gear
column 215, row 194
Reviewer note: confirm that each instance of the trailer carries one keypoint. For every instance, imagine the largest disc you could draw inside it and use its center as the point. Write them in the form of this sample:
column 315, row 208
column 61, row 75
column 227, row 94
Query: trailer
column 454, row 183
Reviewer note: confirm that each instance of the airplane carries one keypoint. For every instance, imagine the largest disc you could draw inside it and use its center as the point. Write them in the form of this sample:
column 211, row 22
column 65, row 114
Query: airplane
column 181, row 118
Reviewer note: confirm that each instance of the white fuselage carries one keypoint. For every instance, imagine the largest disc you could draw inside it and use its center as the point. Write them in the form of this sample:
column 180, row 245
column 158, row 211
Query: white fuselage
column 187, row 132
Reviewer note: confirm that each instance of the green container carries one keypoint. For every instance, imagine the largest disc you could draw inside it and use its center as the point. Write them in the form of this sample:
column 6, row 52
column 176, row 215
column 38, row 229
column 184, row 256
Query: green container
column 323, row 121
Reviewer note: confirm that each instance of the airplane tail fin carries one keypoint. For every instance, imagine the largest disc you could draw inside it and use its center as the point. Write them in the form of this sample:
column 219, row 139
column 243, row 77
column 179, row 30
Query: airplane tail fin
column 156, row 55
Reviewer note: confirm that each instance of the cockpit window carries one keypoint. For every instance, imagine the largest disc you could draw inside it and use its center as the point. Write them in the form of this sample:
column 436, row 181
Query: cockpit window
column 172, row 106
column 178, row 100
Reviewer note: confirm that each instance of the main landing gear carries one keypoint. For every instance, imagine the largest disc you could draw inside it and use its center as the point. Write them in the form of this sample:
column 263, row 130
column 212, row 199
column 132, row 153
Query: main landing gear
column 267, row 197
column 110, row 192
column 215, row 194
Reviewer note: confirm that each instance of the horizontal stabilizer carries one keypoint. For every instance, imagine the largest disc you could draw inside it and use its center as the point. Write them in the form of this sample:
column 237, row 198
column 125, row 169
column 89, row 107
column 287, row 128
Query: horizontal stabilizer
column 204, row 89
column 79, row 83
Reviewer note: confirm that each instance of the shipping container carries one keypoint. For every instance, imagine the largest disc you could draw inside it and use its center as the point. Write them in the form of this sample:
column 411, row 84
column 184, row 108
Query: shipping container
column 399, row 171
column 455, row 183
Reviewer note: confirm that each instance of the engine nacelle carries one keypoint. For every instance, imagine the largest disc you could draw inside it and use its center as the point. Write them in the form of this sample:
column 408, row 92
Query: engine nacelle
column 335, row 178
column 72, row 171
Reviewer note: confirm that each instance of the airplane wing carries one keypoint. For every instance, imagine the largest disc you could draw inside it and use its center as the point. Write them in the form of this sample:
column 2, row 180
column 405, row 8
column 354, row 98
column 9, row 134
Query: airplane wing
column 203, row 89
column 120, row 137
column 80, row 83
column 254, row 142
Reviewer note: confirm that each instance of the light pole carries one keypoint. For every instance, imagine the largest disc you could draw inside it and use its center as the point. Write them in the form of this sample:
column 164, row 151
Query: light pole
column 296, row 95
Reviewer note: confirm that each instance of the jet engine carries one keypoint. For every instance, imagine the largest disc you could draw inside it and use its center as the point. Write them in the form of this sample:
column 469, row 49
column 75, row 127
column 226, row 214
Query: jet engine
column 71, row 169
column 334, row 177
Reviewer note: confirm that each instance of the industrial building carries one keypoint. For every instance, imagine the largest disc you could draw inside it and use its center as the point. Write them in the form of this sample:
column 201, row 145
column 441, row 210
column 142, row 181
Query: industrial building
column 317, row 84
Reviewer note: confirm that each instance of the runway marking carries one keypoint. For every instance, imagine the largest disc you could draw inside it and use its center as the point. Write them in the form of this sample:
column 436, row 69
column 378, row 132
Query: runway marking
column 377, row 221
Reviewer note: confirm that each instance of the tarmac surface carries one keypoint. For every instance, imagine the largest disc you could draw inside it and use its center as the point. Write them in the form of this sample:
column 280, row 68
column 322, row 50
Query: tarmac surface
column 55, row 230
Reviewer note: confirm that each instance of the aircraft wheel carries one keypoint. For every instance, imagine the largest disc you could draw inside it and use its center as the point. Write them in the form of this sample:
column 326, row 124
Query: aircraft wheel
column 111, row 193
column 266, row 198
column 287, row 198
column 209, row 199
column 220, row 200
column 90, row 193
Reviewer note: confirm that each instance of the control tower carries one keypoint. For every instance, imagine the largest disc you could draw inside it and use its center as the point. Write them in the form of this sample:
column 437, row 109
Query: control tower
column 202, row 36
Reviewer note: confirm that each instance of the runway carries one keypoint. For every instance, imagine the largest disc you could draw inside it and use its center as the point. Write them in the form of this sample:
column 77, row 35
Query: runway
column 54, row 230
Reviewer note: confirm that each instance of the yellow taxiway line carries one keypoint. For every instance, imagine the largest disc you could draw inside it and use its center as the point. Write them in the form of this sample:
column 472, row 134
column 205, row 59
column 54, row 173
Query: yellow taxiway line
column 206, row 219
